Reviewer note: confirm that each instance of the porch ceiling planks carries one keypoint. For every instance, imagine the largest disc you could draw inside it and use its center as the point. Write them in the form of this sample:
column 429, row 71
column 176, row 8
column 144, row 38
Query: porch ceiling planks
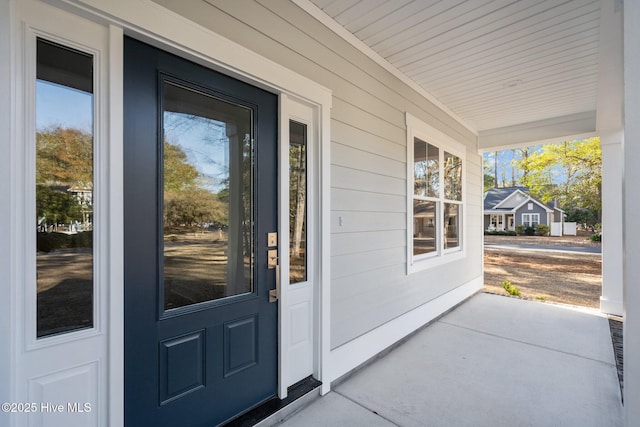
column 495, row 63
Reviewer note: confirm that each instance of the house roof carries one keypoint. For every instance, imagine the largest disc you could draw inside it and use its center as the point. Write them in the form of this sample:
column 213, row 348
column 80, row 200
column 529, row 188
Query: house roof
column 496, row 195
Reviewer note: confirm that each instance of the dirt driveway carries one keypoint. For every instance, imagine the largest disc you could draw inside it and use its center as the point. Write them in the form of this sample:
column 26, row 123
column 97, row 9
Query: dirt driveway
column 569, row 278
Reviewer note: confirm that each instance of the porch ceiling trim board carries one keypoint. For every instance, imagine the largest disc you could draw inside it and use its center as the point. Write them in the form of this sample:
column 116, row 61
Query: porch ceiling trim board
column 572, row 126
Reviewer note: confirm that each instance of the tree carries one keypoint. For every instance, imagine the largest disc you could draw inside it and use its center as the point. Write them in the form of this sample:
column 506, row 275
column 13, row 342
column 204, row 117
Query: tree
column 570, row 172
column 178, row 173
column 64, row 166
column 64, row 157
column 193, row 207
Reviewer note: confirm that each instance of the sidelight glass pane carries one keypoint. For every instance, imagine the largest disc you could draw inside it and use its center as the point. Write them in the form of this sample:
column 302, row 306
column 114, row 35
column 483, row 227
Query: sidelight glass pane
column 64, row 189
column 424, row 227
column 451, row 225
column 297, row 202
column 425, row 169
column 207, row 195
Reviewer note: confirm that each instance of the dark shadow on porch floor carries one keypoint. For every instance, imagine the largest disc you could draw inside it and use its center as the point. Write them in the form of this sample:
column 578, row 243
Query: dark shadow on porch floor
column 274, row 405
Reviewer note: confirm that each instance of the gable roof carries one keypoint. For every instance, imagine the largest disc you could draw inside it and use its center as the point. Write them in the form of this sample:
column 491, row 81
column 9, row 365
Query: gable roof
column 496, row 195
column 530, row 199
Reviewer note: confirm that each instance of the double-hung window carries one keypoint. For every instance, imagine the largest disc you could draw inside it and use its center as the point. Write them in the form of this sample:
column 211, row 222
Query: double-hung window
column 436, row 195
column 530, row 219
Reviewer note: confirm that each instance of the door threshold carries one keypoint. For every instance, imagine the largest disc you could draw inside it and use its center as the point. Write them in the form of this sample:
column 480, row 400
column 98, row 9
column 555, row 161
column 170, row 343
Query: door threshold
column 275, row 410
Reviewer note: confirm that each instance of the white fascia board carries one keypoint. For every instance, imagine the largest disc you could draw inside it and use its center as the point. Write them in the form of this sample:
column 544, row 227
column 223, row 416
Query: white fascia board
column 492, row 212
column 531, row 199
column 509, row 196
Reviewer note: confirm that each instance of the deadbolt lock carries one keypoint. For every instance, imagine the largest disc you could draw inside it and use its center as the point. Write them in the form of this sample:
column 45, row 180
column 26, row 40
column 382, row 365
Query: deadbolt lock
column 272, row 239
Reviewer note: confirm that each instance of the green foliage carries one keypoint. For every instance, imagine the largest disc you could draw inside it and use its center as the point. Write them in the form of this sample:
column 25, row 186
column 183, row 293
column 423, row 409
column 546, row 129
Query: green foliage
column 64, row 163
column 178, row 173
column 541, row 298
column 64, row 156
column 489, row 182
column 193, row 207
column 511, row 290
column 597, row 235
column 500, row 233
column 519, row 229
column 570, row 172
column 55, row 205
column 584, row 216
column 529, row 231
column 543, row 230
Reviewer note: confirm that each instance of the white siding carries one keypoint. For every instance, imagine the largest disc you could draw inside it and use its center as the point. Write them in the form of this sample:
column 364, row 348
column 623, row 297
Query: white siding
column 369, row 282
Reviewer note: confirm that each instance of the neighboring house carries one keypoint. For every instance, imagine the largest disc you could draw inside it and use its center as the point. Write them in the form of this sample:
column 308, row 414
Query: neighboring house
column 506, row 208
column 388, row 214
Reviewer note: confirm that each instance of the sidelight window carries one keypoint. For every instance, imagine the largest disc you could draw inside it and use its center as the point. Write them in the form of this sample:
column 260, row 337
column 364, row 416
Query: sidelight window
column 297, row 202
column 64, row 189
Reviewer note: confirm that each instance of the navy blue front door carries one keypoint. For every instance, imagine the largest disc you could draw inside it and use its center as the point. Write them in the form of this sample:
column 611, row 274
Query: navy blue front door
column 200, row 188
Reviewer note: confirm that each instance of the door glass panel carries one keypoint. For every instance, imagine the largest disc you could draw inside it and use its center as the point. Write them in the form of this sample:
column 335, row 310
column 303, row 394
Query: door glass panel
column 297, row 202
column 64, row 189
column 207, row 196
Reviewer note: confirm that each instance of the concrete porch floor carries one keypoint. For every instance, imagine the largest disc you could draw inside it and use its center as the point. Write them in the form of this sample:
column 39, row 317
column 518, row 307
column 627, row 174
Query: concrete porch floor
column 493, row 361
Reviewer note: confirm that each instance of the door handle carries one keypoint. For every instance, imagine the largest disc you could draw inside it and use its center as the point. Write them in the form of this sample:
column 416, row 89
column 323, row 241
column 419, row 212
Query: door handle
column 274, row 294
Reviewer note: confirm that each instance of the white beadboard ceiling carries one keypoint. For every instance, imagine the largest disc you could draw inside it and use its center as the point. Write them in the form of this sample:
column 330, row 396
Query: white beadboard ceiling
column 494, row 63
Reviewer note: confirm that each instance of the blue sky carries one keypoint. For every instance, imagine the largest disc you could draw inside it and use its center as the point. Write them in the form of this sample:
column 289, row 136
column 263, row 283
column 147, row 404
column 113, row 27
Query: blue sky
column 58, row 105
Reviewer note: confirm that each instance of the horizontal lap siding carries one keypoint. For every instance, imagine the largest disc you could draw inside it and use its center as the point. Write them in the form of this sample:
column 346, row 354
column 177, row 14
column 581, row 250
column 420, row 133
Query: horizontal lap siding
column 369, row 284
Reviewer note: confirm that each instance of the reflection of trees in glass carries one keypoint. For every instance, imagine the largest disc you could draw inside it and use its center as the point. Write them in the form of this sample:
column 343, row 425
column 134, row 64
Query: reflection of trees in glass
column 208, row 182
column 185, row 201
column 426, row 169
column 297, row 202
column 452, row 177
column 64, row 177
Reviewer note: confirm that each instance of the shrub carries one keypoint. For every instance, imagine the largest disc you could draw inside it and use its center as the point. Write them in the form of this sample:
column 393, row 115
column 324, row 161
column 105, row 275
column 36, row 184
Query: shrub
column 584, row 216
column 596, row 237
column 543, row 230
column 47, row 242
column 520, row 229
column 511, row 290
column 529, row 231
column 500, row 233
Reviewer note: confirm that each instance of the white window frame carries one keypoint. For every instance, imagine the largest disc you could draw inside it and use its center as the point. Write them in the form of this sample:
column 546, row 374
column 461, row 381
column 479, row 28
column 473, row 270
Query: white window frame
column 529, row 222
column 417, row 128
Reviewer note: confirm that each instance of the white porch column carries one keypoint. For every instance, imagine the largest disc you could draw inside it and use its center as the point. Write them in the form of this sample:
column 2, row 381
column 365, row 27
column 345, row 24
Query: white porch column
column 6, row 168
column 611, row 299
column 631, row 229
column 609, row 127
